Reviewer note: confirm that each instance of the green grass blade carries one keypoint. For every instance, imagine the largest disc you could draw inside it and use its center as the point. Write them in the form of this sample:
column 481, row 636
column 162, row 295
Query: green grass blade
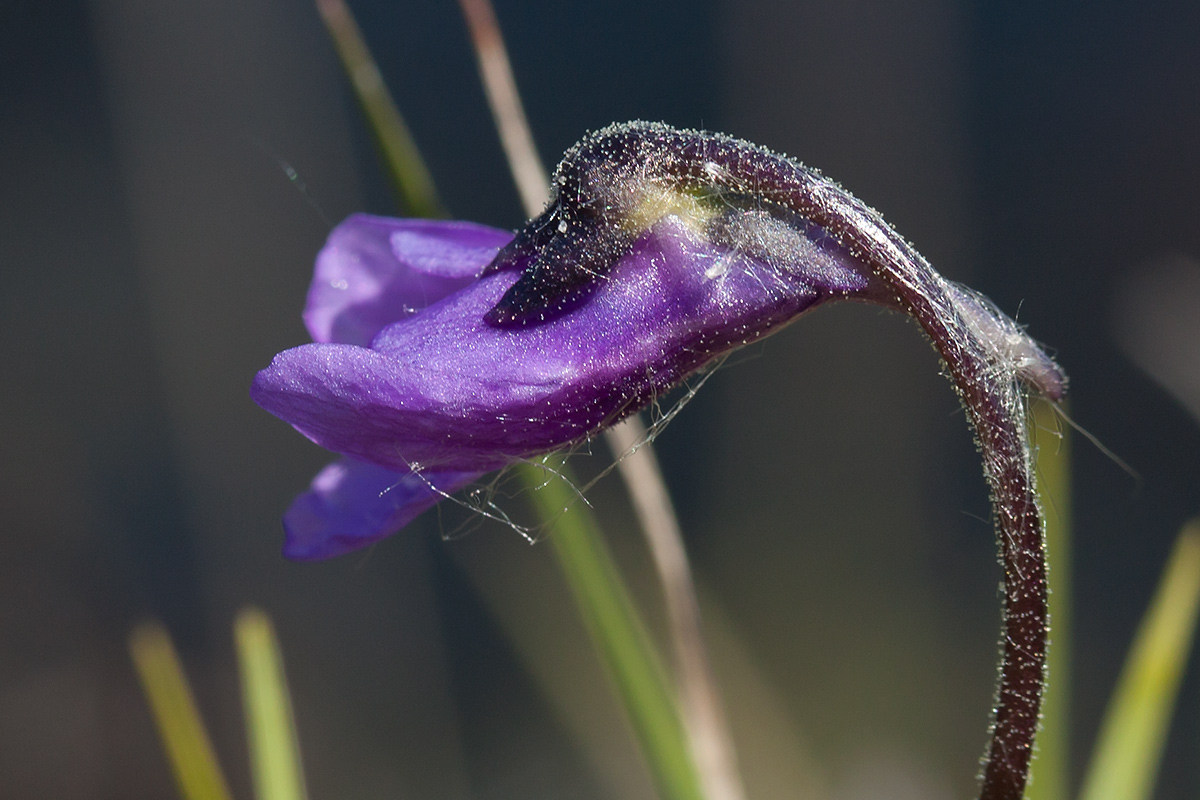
column 1050, row 778
column 187, row 745
column 1125, row 762
column 616, row 630
column 603, row 601
column 274, row 749
column 403, row 160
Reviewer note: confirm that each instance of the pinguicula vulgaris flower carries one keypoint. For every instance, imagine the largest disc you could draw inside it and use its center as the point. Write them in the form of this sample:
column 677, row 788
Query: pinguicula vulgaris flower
column 445, row 350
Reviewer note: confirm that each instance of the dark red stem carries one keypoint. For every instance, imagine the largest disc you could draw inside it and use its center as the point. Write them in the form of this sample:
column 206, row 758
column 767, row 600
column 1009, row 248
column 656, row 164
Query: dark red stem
column 993, row 363
column 994, row 397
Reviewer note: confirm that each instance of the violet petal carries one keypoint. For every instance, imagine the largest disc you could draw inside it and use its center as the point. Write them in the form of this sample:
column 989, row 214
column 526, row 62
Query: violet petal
column 351, row 504
column 376, row 270
column 445, row 390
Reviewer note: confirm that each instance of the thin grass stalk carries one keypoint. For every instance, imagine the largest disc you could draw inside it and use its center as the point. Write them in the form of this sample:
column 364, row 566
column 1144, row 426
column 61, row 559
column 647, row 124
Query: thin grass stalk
column 1050, row 779
column 505, row 102
column 1126, row 758
column 532, row 183
column 704, row 714
column 186, row 742
column 616, row 630
column 704, row 718
column 406, row 168
column 275, row 762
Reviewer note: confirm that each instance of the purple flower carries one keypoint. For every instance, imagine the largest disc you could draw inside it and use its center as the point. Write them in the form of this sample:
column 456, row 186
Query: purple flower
column 650, row 262
column 446, row 350
column 374, row 271
column 442, row 396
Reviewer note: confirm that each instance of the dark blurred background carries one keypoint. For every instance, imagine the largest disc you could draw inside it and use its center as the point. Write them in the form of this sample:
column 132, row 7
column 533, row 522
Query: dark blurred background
column 155, row 254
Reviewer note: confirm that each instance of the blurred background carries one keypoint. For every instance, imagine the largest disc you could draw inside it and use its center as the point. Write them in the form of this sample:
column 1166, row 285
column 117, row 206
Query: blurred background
column 155, row 254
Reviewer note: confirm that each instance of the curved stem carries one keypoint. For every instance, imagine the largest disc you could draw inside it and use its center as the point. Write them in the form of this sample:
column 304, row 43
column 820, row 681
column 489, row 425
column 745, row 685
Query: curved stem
column 988, row 359
column 628, row 175
column 992, row 362
column 997, row 414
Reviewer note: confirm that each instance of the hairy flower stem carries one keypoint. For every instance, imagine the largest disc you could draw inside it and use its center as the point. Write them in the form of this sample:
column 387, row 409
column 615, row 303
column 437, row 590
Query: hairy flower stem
column 993, row 396
column 997, row 416
column 995, row 403
column 992, row 362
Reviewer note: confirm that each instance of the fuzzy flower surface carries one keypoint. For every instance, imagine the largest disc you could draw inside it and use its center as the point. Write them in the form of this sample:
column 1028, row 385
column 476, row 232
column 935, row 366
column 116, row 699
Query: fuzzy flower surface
column 422, row 395
column 445, row 350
